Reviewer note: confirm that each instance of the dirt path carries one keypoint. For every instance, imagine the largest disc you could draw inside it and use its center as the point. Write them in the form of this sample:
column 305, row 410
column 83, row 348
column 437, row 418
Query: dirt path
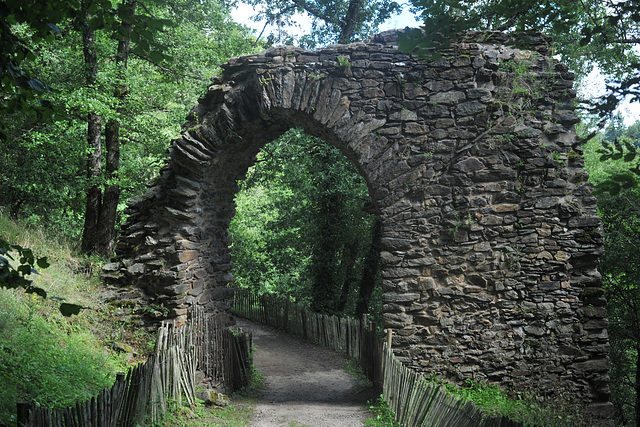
column 306, row 385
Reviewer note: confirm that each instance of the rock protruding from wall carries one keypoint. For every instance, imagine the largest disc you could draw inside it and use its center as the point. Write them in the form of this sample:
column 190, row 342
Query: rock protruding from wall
column 490, row 236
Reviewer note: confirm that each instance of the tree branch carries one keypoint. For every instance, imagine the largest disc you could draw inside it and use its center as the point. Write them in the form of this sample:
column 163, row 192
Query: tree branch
column 627, row 41
column 168, row 70
column 315, row 12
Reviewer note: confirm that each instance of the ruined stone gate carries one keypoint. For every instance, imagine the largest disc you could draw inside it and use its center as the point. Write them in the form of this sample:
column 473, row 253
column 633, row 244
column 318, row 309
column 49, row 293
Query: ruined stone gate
column 490, row 235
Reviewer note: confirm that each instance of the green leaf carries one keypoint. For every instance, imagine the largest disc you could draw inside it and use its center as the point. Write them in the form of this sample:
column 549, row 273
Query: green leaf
column 36, row 85
column 96, row 23
column 156, row 56
column 53, row 28
column 610, row 187
column 24, row 269
column 585, row 40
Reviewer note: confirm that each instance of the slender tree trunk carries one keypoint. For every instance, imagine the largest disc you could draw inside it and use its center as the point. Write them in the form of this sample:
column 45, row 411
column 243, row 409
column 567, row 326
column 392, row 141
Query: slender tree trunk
column 349, row 274
column 370, row 271
column 94, row 158
column 109, row 211
column 94, row 194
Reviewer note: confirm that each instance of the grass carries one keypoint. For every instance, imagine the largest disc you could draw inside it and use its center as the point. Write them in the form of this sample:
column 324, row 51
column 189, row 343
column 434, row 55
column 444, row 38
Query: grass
column 520, row 408
column 238, row 414
column 495, row 402
column 353, row 367
column 50, row 359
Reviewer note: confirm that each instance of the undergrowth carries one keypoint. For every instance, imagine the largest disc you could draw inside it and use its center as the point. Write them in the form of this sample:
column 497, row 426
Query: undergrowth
column 236, row 414
column 52, row 360
column 519, row 407
column 382, row 415
column 353, row 367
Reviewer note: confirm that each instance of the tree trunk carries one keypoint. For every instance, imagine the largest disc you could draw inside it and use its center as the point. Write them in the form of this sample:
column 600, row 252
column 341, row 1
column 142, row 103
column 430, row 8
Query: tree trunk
column 349, row 274
column 109, row 211
column 350, row 21
column 370, row 271
column 94, row 194
column 94, row 158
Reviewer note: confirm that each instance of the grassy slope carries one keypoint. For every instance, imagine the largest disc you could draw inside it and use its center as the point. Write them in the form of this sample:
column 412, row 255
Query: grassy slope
column 45, row 357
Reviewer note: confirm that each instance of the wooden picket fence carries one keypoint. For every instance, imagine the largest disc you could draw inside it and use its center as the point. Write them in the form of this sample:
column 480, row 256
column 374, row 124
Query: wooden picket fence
column 141, row 396
column 354, row 337
column 414, row 400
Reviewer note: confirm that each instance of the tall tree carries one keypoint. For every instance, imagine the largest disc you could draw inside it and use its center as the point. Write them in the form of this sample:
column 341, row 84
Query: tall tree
column 586, row 33
column 620, row 267
column 131, row 102
column 94, row 140
column 101, row 211
column 332, row 21
column 619, row 208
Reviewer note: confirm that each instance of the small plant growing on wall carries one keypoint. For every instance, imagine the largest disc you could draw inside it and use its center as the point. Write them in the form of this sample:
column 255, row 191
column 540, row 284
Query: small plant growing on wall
column 343, row 62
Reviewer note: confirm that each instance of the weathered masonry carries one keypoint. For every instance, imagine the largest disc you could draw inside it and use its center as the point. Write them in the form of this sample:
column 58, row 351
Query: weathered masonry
column 490, row 234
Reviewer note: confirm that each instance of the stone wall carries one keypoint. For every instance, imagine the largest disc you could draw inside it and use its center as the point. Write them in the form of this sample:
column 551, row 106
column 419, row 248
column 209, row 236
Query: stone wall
column 490, row 235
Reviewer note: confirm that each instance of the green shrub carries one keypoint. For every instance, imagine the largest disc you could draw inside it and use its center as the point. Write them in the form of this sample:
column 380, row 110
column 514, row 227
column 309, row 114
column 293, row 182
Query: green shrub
column 382, row 415
column 50, row 359
column 42, row 362
column 524, row 409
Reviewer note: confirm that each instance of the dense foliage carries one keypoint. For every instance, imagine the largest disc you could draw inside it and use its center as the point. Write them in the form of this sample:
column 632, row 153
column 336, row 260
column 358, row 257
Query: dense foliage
column 46, row 362
column 332, row 21
column 45, row 357
column 620, row 267
column 300, row 228
column 619, row 208
column 44, row 163
column 586, row 34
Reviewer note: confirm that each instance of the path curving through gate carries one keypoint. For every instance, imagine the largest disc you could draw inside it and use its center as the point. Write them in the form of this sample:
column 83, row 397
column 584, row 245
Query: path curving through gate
column 306, row 384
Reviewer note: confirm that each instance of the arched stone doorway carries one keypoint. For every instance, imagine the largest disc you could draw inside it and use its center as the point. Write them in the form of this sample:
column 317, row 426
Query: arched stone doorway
column 490, row 236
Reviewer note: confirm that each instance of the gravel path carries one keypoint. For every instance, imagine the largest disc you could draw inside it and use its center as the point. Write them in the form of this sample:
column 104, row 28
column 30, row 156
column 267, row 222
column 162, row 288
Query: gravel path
column 306, row 385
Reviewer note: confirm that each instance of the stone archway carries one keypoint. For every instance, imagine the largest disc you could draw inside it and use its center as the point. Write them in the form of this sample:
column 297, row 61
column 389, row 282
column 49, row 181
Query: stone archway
column 490, row 235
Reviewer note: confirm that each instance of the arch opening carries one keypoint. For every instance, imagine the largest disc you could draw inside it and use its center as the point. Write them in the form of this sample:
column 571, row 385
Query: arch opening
column 304, row 228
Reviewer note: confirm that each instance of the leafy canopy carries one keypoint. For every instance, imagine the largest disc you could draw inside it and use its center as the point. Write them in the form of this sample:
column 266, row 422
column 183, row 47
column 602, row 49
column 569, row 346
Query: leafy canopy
column 300, row 228
column 27, row 24
column 332, row 21
column 586, row 33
